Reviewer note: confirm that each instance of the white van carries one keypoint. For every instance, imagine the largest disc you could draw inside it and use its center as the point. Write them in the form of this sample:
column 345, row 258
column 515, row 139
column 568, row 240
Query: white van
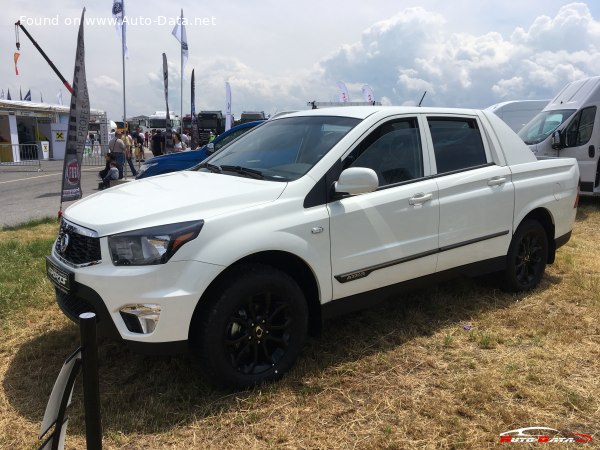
column 517, row 113
column 569, row 127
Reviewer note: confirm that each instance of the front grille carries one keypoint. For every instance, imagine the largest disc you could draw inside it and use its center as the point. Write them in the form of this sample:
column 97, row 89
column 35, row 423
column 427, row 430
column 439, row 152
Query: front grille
column 77, row 248
column 73, row 306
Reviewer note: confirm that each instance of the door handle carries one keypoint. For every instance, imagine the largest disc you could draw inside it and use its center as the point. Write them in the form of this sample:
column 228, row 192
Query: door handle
column 419, row 199
column 497, row 181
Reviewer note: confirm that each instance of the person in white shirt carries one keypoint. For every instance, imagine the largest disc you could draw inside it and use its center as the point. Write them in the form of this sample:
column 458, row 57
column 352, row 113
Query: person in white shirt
column 185, row 139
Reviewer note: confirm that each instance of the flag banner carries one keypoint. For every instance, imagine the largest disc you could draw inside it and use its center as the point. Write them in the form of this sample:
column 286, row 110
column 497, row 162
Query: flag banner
column 28, row 96
column 344, row 97
column 41, row 97
column 20, row 94
column 8, row 95
column 16, row 58
column 166, row 81
column 181, row 36
column 228, row 111
column 194, row 120
column 79, row 119
column 59, row 98
column 2, row 95
column 118, row 12
column 367, row 93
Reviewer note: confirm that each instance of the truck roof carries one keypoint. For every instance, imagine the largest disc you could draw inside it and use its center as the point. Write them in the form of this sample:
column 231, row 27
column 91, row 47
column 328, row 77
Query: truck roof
column 362, row 112
column 576, row 95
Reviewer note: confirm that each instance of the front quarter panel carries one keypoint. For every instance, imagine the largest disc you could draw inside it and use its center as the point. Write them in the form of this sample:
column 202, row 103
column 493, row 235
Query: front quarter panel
column 284, row 225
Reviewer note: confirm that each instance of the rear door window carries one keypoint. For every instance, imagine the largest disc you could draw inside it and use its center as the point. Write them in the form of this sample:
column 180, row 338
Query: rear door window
column 457, row 143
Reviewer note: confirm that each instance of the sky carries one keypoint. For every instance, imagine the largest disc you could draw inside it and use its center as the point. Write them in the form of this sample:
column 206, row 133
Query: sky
column 279, row 54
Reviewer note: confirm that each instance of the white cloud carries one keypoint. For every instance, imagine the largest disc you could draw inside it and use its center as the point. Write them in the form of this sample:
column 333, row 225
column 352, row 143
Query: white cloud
column 414, row 51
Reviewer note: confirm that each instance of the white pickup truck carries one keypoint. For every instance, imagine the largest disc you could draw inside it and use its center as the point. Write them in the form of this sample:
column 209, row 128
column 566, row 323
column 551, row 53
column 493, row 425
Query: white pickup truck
column 304, row 217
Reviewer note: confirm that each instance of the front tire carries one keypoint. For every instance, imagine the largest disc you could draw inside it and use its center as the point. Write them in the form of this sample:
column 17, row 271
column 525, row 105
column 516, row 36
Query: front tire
column 526, row 258
column 254, row 326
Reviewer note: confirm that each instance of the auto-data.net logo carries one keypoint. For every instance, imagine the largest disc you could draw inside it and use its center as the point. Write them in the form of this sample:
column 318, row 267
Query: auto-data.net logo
column 544, row 435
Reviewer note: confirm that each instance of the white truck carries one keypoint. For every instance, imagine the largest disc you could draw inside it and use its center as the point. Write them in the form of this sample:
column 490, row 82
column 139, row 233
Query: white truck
column 569, row 126
column 517, row 113
column 310, row 215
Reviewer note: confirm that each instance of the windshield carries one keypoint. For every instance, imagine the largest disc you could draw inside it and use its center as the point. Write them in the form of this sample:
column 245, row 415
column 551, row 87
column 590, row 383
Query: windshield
column 208, row 121
column 158, row 123
column 543, row 125
column 284, row 149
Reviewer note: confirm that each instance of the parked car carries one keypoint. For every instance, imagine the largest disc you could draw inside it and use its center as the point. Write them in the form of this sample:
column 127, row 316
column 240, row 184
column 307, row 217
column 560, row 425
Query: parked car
column 173, row 162
column 310, row 215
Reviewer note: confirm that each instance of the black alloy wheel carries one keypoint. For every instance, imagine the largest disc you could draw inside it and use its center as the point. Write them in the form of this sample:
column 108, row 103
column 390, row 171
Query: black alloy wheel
column 527, row 257
column 253, row 326
column 258, row 333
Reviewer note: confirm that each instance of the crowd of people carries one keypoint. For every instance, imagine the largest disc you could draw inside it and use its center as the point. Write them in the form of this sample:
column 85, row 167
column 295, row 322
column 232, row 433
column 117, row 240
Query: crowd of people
column 127, row 148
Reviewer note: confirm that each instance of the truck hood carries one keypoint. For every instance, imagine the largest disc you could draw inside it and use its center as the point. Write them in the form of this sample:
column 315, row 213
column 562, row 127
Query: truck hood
column 170, row 198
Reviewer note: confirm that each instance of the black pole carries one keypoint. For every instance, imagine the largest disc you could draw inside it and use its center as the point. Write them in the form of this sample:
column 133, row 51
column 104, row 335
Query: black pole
column 91, row 391
column 65, row 82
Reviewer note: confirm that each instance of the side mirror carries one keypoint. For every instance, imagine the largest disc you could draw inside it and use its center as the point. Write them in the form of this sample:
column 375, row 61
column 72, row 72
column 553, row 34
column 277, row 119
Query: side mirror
column 558, row 141
column 356, row 180
column 210, row 147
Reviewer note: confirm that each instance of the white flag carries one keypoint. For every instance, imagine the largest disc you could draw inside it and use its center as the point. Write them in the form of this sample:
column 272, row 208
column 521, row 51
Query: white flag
column 118, row 12
column 367, row 93
column 181, row 36
column 228, row 109
column 59, row 98
column 343, row 92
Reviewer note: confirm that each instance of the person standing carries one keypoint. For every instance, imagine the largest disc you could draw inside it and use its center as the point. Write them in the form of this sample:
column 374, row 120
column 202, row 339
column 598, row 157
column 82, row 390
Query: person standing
column 128, row 153
column 117, row 148
column 158, row 143
column 185, row 139
column 178, row 146
column 139, row 155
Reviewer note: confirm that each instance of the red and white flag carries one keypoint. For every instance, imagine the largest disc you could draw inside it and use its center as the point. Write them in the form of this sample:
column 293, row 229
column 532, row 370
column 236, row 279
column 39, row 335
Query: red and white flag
column 344, row 97
column 367, row 93
column 16, row 58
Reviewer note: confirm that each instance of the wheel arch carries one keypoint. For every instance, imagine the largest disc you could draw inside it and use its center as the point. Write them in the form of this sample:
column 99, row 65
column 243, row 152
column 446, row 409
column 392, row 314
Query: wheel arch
column 543, row 216
column 286, row 262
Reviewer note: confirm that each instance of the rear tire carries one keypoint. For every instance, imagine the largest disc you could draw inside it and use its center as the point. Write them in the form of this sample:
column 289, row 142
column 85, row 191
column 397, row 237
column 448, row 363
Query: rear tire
column 526, row 258
column 253, row 327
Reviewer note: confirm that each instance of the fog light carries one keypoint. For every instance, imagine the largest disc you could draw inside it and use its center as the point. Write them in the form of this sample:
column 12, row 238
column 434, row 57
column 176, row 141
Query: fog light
column 140, row 318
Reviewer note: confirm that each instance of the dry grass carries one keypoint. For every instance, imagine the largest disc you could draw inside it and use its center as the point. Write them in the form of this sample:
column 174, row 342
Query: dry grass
column 403, row 375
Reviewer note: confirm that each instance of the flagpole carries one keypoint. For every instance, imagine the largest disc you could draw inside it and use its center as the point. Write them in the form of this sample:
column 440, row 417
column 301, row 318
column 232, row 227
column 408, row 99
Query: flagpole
column 181, row 55
column 124, row 108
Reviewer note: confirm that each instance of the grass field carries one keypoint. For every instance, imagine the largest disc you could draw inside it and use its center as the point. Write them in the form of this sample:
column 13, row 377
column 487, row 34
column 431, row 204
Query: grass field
column 452, row 366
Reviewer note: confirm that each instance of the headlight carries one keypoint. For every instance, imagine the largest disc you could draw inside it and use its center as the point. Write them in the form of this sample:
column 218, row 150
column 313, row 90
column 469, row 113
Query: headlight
column 153, row 245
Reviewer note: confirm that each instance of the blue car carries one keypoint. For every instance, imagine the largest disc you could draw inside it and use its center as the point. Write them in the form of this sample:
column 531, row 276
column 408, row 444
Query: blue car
column 173, row 162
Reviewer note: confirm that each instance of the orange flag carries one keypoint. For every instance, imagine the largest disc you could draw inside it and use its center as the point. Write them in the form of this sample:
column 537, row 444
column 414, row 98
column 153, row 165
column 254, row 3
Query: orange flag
column 16, row 57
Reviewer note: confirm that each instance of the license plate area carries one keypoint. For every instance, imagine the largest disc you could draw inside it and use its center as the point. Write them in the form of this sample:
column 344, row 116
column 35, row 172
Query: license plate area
column 61, row 278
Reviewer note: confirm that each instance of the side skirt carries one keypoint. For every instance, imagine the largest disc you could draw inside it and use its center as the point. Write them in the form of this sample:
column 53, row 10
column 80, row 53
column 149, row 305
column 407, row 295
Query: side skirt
column 367, row 299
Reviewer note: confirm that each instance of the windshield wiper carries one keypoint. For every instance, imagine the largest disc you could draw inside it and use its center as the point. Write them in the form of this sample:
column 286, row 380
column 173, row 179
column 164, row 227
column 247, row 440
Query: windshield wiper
column 212, row 167
column 252, row 173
